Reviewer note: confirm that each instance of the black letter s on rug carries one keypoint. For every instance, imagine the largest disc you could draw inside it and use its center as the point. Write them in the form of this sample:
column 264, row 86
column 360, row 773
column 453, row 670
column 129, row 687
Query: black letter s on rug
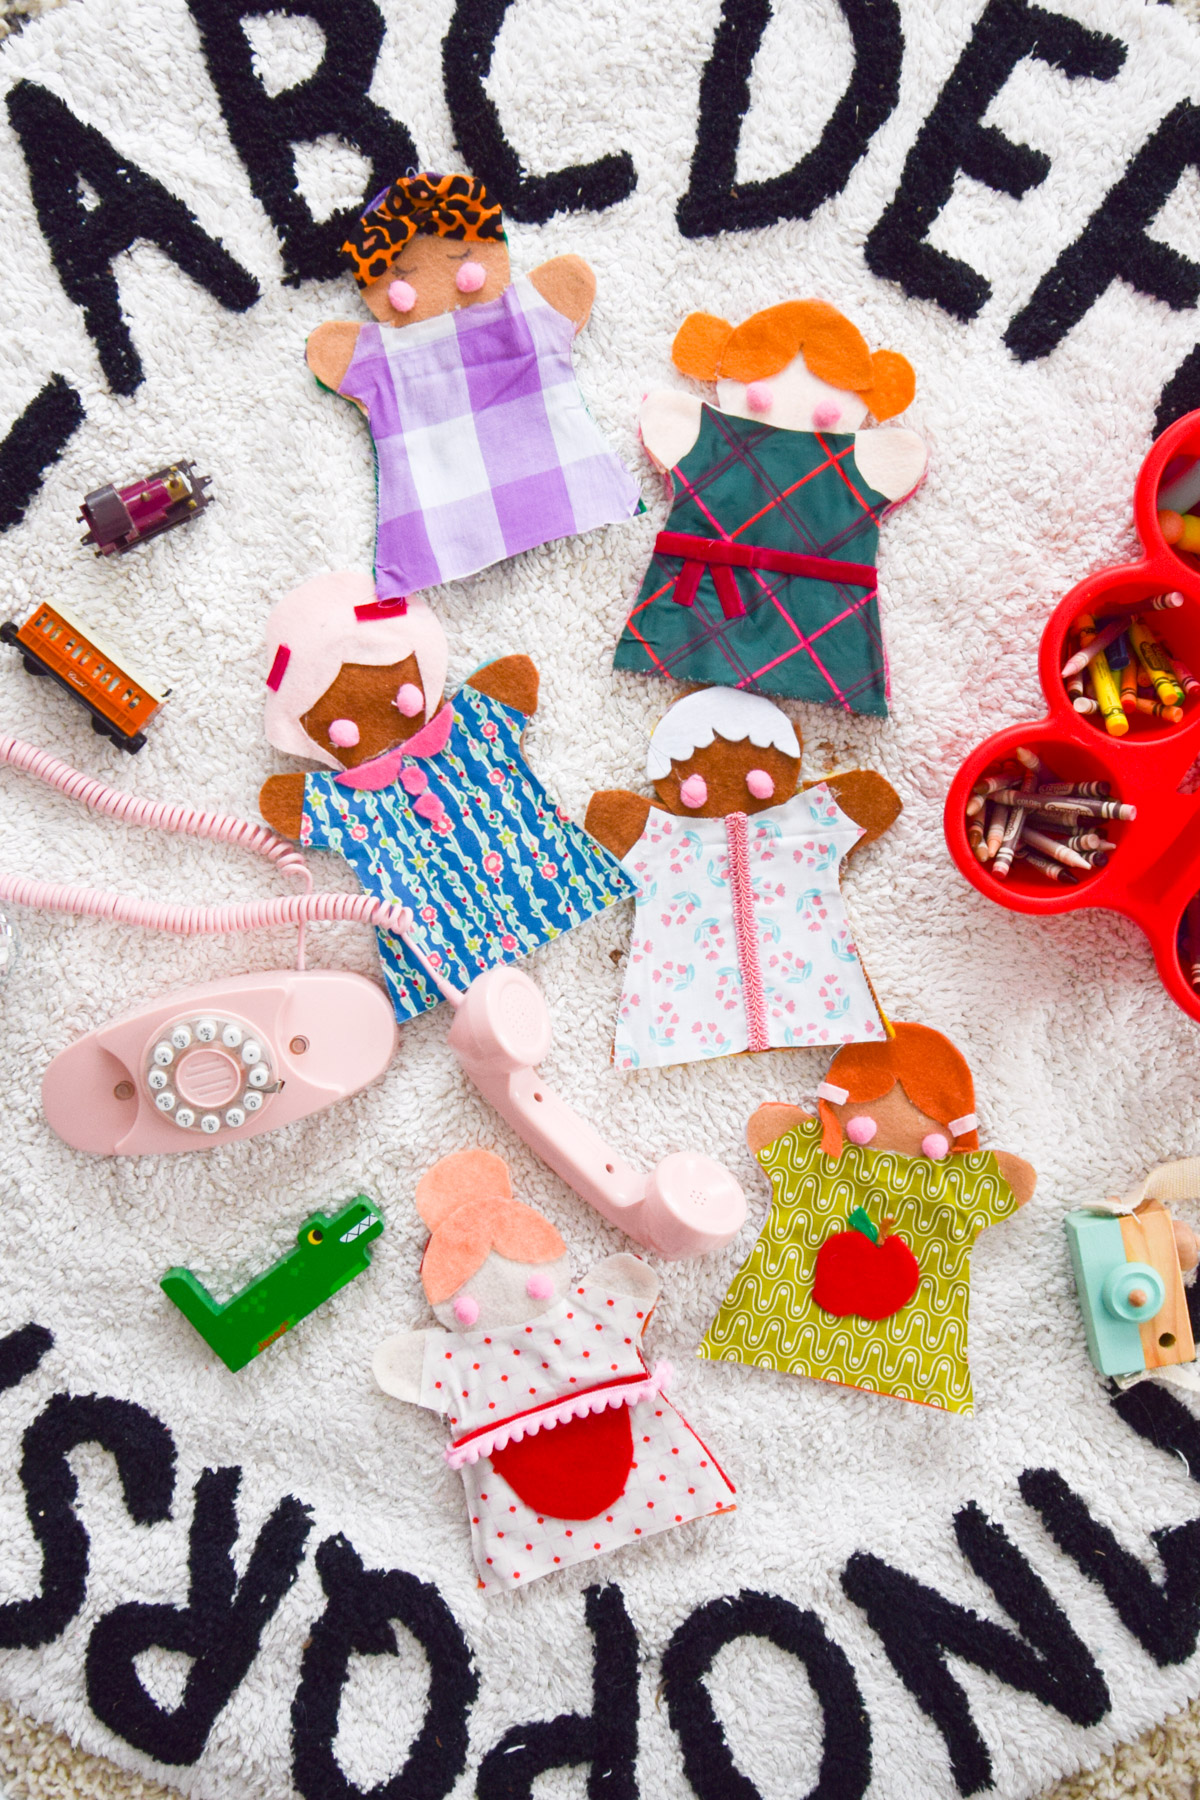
column 220, row 1627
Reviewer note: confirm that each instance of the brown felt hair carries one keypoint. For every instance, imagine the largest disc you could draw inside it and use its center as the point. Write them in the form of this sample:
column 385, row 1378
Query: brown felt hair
column 933, row 1074
column 710, row 349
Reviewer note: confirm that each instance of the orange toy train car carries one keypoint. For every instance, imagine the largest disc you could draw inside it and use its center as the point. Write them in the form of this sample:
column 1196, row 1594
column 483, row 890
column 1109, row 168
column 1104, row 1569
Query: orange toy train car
column 52, row 643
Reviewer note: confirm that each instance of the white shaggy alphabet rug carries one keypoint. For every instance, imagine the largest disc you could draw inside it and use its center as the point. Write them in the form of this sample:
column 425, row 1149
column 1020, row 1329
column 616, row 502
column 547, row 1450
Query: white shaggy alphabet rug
column 257, row 1583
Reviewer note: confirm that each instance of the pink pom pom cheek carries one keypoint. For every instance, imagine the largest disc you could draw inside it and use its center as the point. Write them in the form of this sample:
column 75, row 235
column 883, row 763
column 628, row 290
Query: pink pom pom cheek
column 759, row 398
column 694, row 791
column 343, row 734
column 402, row 296
column 935, row 1146
column 466, row 1310
column 539, row 1287
column 470, row 278
column 826, row 415
column 760, row 784
column 861, row 1128
column 409, row 700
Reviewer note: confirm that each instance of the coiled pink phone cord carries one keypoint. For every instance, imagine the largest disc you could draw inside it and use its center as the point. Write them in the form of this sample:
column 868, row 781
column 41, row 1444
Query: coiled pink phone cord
column 291, row 909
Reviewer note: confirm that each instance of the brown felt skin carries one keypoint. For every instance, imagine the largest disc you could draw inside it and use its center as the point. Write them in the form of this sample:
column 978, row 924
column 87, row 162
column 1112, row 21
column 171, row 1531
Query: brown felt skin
column 902, row 1127
column 366, row 693
column 430, row 264
column 617, row 818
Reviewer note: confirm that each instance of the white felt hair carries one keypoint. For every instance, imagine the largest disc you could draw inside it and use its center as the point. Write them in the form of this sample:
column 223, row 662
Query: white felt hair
column 730, row 713
column 829, row 1090
column 960, row 1127
column 318, row 626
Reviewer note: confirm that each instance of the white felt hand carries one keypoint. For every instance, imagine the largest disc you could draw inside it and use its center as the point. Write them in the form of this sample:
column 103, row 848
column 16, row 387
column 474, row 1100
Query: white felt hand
column 670, row 424
column 892, row 461
column 398, row 1362
column 627, row 1275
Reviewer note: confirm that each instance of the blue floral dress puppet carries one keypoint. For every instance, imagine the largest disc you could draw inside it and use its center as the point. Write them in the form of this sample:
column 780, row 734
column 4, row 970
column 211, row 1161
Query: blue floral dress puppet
column 433, row 805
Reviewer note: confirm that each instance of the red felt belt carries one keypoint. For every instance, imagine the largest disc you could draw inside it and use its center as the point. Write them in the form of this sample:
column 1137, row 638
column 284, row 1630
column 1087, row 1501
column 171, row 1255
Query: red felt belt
column 699, row 553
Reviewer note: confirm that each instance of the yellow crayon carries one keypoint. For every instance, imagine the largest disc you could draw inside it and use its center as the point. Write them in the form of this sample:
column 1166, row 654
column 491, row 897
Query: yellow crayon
column 1108, row 697
column 1156, row 663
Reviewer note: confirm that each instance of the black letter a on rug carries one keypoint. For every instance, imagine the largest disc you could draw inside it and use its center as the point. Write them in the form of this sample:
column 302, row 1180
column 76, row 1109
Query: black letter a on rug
column 919, row 1628
column 219, row 1628
column 86, row 232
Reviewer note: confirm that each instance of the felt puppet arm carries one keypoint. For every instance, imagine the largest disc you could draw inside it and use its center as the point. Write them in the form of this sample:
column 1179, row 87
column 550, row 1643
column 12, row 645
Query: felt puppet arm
column 398, row 1363
column 329, row 350
column 771, row 1121
column 892, row 461
column 867, row 799
column 568, row 284
column 669, row 422
column 281, row 803
column 616, row 818
column 513, row 680
column 626, row 1275
column 1020, row 1175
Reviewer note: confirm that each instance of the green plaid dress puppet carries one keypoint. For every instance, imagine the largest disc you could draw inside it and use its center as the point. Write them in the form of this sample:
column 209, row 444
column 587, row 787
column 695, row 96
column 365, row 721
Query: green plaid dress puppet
column 765, row 574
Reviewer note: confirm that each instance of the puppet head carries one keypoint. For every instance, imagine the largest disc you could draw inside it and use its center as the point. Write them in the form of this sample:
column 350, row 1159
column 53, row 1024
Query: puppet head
column 802, row 366
column 721, row 750
column 913, row 1094
column 491, row 1261
column 350, row 675
column 428, row 245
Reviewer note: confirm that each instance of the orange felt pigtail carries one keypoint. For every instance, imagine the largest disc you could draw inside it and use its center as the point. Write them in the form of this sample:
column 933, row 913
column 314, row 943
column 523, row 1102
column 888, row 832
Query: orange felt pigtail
column 699, row 345
column 892, row 387
column 466, row 1200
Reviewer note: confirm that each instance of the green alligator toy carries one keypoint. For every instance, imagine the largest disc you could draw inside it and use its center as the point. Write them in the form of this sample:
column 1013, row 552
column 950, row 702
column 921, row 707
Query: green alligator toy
column 329, row 1252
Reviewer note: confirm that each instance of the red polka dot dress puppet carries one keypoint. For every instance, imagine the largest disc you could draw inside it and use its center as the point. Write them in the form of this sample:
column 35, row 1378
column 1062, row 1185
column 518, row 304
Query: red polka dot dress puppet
column 483, row 444
column 567, row 1444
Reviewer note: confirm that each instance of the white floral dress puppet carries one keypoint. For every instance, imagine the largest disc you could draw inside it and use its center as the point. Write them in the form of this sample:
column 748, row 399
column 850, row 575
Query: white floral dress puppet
column 740, row 939
column 567, row 1444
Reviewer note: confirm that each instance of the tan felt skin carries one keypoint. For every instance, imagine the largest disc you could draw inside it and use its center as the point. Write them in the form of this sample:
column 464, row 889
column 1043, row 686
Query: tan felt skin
column 430, row 265
column 1149, row 1237
column 366, row 694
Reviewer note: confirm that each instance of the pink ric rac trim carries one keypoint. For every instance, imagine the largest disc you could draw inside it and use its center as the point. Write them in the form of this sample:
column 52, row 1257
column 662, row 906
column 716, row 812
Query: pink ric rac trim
column 746, row 929
column 578, row 1406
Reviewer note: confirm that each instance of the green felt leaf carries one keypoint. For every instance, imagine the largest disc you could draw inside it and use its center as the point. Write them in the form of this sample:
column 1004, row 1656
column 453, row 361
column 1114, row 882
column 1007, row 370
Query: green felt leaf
column 860, row 1220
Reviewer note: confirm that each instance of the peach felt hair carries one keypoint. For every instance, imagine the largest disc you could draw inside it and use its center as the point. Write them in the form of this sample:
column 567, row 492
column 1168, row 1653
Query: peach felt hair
column 834, row 350
column 466, row 1200
column 336, row 619
column 933, row 1074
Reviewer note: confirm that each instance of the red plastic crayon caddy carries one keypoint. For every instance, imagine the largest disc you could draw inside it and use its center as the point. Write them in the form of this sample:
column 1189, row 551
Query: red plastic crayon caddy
column 1155, row 869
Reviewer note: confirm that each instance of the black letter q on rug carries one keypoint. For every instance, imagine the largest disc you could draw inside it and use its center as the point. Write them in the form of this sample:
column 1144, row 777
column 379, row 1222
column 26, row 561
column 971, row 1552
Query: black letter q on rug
column 845, row 1771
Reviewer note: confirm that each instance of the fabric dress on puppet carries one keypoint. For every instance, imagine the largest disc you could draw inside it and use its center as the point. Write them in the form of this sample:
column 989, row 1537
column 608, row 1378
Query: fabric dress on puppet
column 572, row 1487
column 769, row 1318
column 483, row 444
column 764, row 576
column 740, row 937
column 454, row 825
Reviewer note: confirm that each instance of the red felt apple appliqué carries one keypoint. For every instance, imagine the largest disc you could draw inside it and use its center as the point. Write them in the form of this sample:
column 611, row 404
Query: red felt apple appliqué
column 862, row 1272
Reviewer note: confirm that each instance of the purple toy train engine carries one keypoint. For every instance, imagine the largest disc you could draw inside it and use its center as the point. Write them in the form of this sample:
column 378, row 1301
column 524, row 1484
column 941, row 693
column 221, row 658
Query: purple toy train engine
column 118, row 518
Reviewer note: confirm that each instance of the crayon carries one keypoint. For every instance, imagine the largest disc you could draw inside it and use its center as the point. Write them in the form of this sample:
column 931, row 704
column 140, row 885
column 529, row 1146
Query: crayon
column 1192, row 927
column 1129, row 684
column 1108, row 696
column 1028, row 758
column 1118, row 653
column 995, row 831
column 1088, row 840
column 987, row 784
column 1014, row 827
column 976, row 839
column 1156, row 663
column 1053, row 847
column 1100, row 642
column 1161, row 603
column 1156, row 709
column 1184, row 676
column 1180, row 530
column 1055, row 871
column 1083, row 703
column 1086, row 790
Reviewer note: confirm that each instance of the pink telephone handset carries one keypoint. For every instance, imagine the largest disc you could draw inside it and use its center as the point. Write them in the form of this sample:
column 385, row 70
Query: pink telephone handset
column 687, row 1206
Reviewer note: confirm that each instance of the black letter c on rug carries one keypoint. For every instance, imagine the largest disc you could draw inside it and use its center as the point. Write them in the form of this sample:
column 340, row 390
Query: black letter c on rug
column 360, row 1607
column 846, row 1756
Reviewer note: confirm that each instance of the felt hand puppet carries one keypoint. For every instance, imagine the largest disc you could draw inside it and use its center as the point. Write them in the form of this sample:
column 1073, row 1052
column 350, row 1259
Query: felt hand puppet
column 765, row 574
column 740, row 936
column 567, row 1444
column 862, row 1272
column 430, row 801
column 483, row 444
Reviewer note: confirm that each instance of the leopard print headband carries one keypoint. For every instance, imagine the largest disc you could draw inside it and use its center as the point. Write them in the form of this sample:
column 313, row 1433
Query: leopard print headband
column 450, row 206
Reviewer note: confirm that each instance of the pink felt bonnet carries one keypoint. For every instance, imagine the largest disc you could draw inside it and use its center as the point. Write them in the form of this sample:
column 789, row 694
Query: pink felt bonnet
column 336, row 619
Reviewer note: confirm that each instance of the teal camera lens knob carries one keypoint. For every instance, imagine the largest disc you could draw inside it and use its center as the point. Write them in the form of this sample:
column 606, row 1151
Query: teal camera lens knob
column 1134, row 1291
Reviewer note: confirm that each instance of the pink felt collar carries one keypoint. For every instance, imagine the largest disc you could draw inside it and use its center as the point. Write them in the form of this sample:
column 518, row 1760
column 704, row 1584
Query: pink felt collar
column 382, row 770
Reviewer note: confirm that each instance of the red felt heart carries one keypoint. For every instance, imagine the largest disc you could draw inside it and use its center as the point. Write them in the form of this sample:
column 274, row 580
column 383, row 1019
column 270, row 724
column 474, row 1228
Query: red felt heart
column 872, row 1281
column 573, row 1471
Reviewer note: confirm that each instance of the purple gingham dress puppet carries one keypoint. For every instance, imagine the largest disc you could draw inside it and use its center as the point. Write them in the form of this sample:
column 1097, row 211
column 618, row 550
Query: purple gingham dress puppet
column 483, row 444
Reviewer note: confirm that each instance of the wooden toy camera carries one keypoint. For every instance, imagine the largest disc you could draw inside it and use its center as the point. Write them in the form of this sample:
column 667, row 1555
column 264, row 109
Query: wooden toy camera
column 1129, row 1258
